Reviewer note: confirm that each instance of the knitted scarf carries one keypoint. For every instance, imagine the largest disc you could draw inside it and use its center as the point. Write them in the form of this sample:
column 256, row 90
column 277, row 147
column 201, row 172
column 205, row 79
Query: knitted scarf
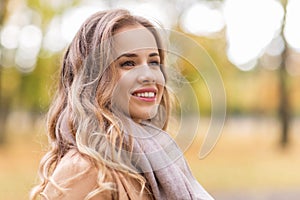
column 156, row 155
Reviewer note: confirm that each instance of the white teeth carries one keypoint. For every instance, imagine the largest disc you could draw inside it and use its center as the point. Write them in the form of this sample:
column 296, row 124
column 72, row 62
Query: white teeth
column 146, row 94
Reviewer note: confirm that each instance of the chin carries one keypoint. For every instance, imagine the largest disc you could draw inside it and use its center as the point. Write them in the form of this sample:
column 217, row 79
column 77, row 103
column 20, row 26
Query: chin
column 144, row 115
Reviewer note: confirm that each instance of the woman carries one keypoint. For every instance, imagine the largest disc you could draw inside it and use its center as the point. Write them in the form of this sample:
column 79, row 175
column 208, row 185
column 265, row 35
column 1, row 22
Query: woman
column 106, row 124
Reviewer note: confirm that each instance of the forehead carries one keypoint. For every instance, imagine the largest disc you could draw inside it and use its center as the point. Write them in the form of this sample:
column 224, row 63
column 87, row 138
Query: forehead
column 133, row 38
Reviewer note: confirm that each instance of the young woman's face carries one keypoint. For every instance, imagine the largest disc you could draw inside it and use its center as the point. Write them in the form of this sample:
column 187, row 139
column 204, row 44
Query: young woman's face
column 139, row 90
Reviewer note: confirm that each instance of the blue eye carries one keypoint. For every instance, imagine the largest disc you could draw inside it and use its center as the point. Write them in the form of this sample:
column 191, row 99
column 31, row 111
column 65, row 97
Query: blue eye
column 128, row 64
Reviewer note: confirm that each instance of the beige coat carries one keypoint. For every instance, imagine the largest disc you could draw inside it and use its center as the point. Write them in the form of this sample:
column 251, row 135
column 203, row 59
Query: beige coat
column 78, row 176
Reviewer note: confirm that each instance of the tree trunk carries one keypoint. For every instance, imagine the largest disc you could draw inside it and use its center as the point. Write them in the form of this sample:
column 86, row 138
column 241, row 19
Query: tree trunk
column 284, row 108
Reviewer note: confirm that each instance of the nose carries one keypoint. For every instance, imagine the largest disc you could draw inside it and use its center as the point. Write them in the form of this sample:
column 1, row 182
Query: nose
column 146, row 75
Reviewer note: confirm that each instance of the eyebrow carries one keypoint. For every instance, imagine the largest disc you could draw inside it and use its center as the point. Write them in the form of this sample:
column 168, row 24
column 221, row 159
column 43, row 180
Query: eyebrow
column 153, row 54
column 132, row 55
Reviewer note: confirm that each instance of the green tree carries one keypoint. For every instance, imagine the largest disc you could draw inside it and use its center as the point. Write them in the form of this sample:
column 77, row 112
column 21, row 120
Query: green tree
column 4, row 108
column 27, row 91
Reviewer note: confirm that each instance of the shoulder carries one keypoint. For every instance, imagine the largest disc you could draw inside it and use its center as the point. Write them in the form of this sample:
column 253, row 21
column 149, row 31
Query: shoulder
column 74, row 177
column 74, row 163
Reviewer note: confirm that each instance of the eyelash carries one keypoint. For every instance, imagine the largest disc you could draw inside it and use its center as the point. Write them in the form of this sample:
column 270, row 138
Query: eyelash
column 132, row 63
column 128, row 64
column 154, row 63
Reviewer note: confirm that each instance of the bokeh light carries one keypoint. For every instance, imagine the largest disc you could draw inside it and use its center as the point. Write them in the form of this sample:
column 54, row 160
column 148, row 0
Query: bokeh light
column 8, row 36
column 30, row 37
column 73, row 18
column 251, row 26
column 53, row 40
column 292, row 31
column 30, row 41
column 153, row 10
column 202, row 19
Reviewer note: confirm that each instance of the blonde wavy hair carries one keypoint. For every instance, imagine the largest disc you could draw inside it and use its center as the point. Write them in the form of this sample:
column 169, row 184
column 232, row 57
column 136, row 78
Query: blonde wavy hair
column 83, row 100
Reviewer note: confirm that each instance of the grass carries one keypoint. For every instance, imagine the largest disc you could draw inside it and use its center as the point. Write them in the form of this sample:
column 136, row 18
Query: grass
column 249, row 160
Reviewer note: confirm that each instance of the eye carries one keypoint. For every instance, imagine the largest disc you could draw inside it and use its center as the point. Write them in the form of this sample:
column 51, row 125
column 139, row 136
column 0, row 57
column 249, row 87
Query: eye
column 154, row 63
column 128, row 63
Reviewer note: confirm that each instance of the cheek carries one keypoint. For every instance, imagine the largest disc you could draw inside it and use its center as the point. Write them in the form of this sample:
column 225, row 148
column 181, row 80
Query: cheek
column 120, row 95
column 124, row 85
column 160, row 79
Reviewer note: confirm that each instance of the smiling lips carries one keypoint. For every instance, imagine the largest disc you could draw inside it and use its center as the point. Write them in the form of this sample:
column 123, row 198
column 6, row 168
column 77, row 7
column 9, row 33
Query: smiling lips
column 145, row 94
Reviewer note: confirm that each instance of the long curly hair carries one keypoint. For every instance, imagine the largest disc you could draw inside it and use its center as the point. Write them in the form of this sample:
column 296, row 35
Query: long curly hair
column 80, row 116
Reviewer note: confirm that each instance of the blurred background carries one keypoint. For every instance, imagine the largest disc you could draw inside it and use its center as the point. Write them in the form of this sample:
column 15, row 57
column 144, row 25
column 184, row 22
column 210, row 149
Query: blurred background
column 255, row 45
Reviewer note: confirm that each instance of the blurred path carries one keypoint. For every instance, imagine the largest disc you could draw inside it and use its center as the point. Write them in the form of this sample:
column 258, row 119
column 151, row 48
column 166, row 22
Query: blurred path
column 247, row 163
column 275, row 195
